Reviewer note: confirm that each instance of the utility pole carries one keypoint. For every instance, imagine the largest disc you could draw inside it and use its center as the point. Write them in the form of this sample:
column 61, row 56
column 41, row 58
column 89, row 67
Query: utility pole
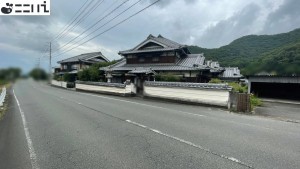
column 39, row 63
column 50, row 65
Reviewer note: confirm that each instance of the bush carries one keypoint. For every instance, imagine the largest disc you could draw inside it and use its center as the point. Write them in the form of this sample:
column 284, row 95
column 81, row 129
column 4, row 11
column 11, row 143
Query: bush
column 238, row 88
column 255, row 101
column 215, row 80
column 84, row 75
column 167, row 77
column 69, row 77
column 57, row 77
column 93, row 73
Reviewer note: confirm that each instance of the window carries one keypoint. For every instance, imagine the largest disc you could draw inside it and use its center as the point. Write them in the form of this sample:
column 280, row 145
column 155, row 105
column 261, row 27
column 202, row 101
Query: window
column 131, row 57
column 155, row 59
column 74, row 66
column 141, row 59
column 65, row 67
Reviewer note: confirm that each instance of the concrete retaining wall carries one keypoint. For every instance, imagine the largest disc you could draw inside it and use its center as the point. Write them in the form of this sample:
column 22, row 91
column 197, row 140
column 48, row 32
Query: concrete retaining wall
column 109, row 88
column 59, row 83
column 210, row 94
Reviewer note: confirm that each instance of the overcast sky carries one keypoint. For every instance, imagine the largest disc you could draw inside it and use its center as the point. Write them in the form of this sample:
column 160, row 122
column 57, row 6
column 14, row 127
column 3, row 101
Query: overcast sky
column 206, row 23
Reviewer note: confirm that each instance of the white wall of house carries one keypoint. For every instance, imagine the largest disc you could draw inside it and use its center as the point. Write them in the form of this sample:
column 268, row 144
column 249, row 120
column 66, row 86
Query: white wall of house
column 204, row 96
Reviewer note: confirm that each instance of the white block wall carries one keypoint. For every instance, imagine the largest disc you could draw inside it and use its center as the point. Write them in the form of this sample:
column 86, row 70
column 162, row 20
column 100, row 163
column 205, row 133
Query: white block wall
column 105, row 89
column 196, row 95
column 59, row 83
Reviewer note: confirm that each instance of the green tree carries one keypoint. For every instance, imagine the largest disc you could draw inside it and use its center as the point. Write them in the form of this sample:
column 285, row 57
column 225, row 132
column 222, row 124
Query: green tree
column 84, row 75
column 69, row 77
column 38, row 74
column 93, row 73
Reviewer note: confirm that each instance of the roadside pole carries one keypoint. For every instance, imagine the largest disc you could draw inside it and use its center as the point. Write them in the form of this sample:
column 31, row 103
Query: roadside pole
column 50, row 65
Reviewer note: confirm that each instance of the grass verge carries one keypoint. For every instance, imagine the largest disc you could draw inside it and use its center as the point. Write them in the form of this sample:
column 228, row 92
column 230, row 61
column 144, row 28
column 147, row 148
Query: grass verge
column 3, row 109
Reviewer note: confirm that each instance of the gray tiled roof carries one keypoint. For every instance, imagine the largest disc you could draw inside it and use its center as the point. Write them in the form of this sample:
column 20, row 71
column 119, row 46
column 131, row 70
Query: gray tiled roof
column 142, row 71
column 88, row 57
column 119, row 85
column 167, row 43
column 232, row 72
column 188, row 85
column 191, row 62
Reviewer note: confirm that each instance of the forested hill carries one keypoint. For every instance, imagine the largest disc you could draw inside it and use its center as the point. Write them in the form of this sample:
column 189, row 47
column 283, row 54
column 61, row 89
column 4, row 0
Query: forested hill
column 279, row 53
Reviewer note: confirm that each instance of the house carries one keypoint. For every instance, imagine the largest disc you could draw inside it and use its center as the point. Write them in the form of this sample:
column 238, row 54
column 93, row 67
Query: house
column 74, row 64
column 231, row 74
column 159, row 55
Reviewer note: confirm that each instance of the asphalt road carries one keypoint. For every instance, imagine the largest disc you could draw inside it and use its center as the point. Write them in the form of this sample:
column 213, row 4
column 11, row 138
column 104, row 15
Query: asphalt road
column 47, row 127
column 284, row 111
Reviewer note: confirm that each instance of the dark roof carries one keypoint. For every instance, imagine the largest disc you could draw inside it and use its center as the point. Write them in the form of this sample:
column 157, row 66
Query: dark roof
column 189, row 85
column 232, row 72
column 87, row 57
column 191, row 62
column 164, row 43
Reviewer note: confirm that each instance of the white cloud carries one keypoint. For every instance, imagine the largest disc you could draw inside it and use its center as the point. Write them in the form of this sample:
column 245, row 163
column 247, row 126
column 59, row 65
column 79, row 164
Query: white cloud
column 207, row 23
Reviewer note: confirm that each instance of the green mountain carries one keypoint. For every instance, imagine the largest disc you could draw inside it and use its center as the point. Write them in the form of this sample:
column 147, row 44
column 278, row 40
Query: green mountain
column 255, row 53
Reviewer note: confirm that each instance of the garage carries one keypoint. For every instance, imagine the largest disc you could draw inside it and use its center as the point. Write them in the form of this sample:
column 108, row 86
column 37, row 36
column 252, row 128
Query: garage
column 277, row 87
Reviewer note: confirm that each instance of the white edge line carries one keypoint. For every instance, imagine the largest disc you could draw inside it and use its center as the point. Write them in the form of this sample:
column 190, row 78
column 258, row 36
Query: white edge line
column 192, row 114
column 190, row 143
column 199, row 115
column 33, row 157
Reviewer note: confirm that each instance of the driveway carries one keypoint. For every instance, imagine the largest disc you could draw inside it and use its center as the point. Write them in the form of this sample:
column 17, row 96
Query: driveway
column 287, row 111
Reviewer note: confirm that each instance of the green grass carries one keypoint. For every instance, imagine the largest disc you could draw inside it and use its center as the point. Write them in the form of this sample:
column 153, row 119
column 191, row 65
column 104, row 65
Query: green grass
column 255, row 101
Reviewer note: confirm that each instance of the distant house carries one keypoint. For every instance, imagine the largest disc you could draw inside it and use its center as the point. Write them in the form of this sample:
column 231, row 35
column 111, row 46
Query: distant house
column 157, row 55
column 231, row 74
column 74, row 64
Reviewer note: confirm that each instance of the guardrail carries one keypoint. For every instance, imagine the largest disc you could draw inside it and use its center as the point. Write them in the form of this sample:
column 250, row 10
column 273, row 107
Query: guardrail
column 2, row 96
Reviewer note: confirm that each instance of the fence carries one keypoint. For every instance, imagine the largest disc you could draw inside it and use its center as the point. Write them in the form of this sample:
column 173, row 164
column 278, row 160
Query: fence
column 203, row 93
column 109, row 88
column 240, row 102
column 59, row 83
column 2, row 96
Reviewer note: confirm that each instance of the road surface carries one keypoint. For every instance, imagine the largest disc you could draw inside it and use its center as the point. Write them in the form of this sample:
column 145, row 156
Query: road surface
column 47, row 127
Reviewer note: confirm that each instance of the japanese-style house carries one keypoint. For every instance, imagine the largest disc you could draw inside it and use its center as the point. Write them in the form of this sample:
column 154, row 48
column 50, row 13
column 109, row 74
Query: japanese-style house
column 159, row 55
column 77, row 63
column 231, row 74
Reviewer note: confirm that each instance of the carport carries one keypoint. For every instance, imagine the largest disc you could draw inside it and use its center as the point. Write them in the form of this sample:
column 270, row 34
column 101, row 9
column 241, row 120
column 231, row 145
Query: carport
column 278, row 87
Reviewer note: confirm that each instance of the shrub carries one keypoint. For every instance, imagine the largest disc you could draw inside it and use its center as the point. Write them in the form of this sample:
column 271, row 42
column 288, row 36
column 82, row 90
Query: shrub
column 84, row 75
column 57, row 77
column 255, row 101
column 238, row 88
column 69, row 77
column 215, row 80
column 94, row 74
column 167, row 77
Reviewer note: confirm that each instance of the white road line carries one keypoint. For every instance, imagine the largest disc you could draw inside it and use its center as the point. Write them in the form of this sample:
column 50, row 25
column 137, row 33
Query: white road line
column 199, row 115
column 190, row 144
column 33, row 157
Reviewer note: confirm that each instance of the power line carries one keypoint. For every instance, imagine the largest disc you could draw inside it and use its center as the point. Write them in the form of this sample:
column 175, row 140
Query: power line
column 124, row 20
column 76, row 19
column 71, row 22
column 89, row 12
column 99, row 22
